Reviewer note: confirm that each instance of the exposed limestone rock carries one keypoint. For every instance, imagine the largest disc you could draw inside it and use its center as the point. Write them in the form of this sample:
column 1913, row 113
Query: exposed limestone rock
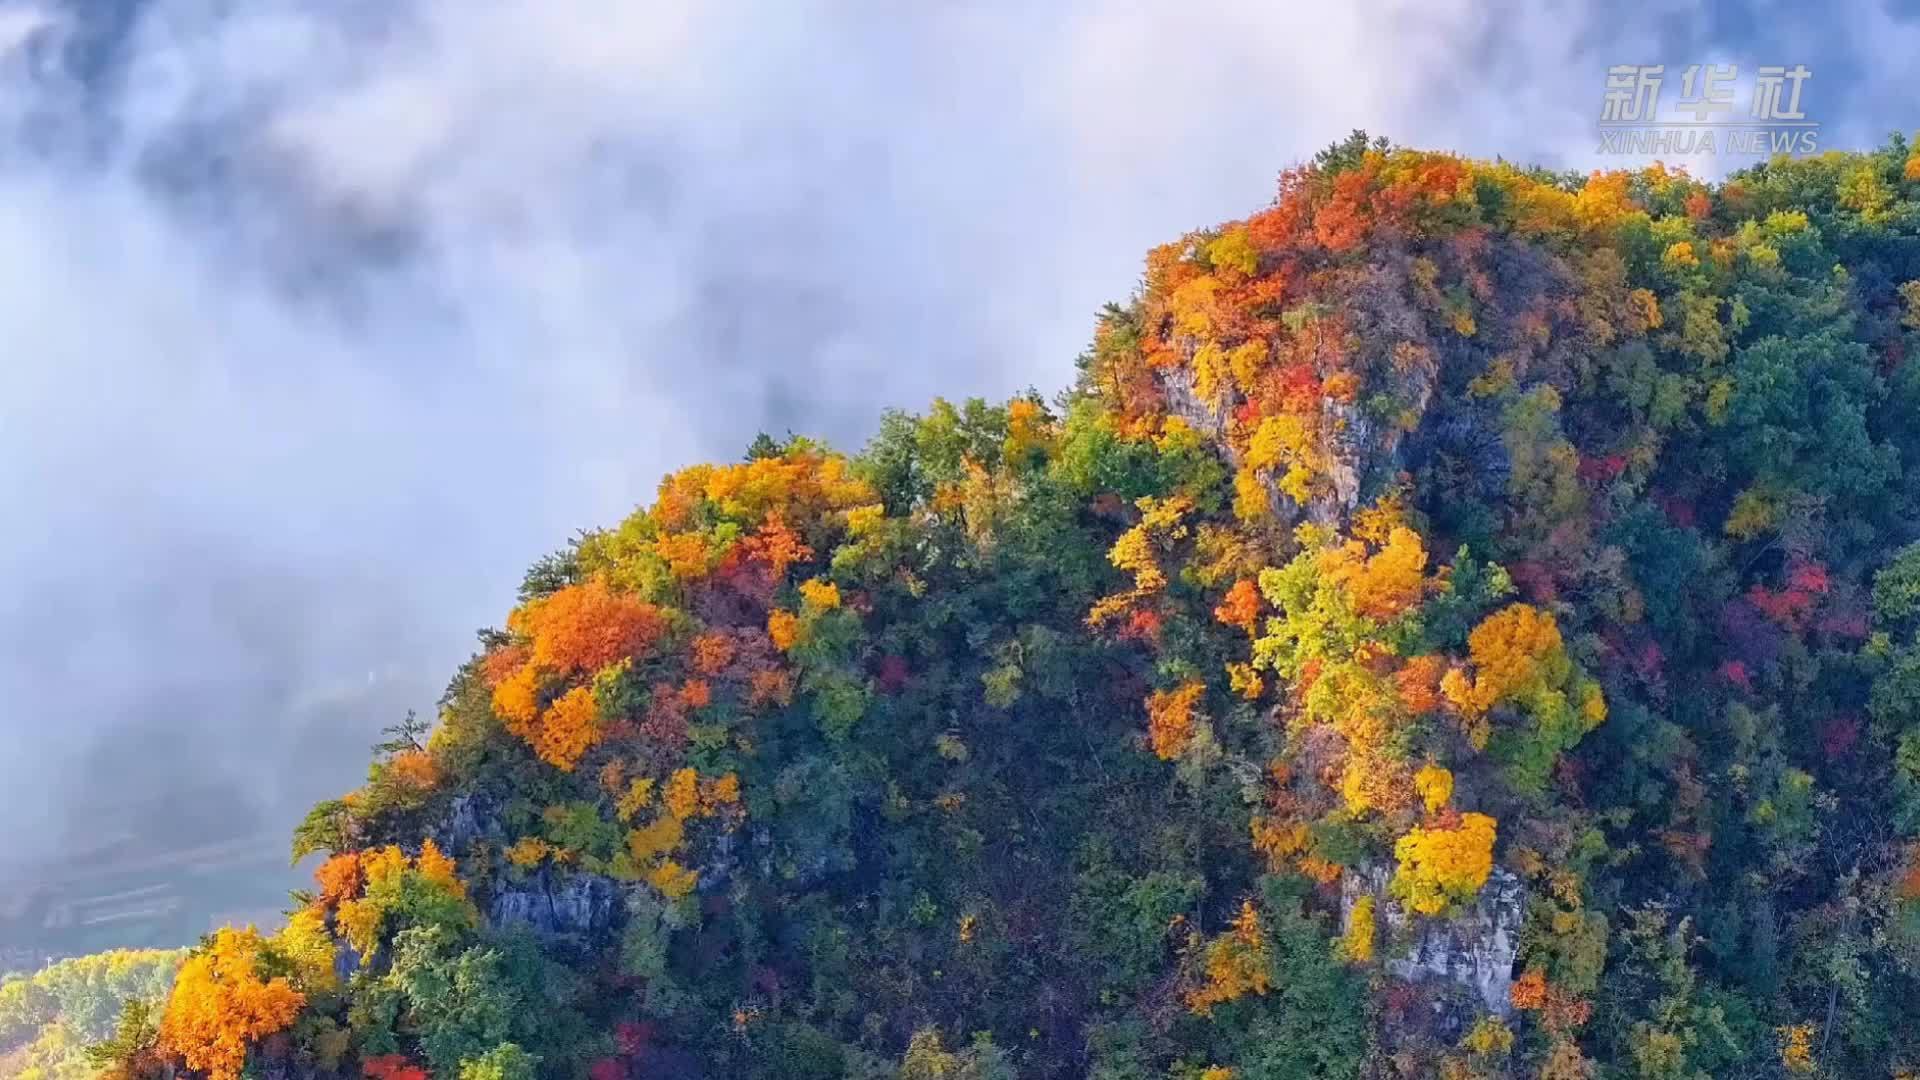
column 471, row 819
column 1361, row 452
column 1185, row 403
column 1474, row 949
column 1211, row 423
column 553, row 905
column 1352, row 453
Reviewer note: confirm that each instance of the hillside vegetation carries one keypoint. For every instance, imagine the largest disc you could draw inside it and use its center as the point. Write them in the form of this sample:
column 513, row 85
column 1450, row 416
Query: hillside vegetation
column 52, row 1017
column 1462, row 622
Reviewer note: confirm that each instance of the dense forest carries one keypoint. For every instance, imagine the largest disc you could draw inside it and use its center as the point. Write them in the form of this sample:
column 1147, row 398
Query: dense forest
column 59, row 1019
column 1463, row 621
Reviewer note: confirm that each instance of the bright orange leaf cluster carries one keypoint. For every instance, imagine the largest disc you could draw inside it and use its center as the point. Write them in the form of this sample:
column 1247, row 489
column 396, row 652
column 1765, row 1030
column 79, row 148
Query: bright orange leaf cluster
column 1560, row 1011
column 583, row 628
column 382, row 874
column 339, row 878
column 1385, row 584
column 1237, row 963
column 220, row 1006
column 413, row 770
column 1171, row 719
column 1241, row 606
column 1514, row 650
column 568, row 729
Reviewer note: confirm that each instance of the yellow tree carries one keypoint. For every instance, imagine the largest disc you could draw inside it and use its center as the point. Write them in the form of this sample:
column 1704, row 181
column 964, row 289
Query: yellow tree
column 221, row 1005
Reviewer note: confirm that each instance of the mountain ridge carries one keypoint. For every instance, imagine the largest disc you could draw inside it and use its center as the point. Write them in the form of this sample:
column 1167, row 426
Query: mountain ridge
column 1443, row 520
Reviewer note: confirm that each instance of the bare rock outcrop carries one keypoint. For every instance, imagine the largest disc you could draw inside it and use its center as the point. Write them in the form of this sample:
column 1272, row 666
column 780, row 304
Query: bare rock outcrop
column 1474, row 949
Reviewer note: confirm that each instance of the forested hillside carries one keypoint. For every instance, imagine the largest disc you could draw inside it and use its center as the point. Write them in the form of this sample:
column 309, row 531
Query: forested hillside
column 1463, row 622
column 52, row 1018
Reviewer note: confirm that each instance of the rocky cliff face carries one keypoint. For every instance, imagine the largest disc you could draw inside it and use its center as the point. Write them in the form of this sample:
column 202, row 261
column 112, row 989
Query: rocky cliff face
column 556, row 904
column 1474, row 949
column 1358, row 451
column 575, row 905
column 552, row 903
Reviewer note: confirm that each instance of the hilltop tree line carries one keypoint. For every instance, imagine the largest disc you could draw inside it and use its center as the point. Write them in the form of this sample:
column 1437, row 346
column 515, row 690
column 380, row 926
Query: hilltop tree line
column 1443, row 518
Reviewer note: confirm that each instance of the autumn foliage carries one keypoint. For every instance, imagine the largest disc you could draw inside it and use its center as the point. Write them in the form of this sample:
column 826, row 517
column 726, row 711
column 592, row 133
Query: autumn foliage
column 1444, row 866
column 1444, row 532
column 1172, row 717
column 586, row 627
column 1236, row 963
column 221, row 1006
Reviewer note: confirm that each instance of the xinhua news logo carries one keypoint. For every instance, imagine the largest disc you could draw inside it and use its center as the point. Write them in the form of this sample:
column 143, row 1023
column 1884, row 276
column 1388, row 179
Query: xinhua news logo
column 1708, row 117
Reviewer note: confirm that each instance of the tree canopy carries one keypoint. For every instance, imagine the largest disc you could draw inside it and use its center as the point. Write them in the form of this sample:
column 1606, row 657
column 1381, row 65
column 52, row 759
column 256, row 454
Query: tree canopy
column 1443, row 529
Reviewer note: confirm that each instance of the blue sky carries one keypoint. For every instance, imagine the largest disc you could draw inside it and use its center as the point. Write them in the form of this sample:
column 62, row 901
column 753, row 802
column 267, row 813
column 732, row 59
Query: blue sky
column 321, row 321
